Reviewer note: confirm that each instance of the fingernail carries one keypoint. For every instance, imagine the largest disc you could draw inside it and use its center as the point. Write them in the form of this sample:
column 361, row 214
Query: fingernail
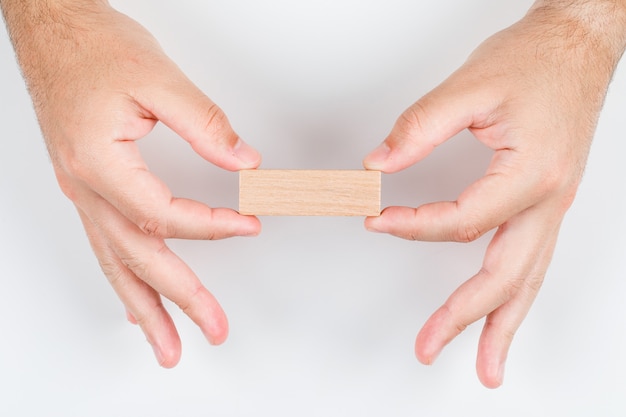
column 377, row 158
column 247, row 154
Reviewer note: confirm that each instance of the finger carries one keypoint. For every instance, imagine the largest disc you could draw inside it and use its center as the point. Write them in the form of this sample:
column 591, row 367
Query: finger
column 502, row 324
column 509, row 263
column 149, row 259
column 130, row 317
column 119, row 174
column 116, row 170
column 143, row 304
column 178, row 103
column 436, row 117
column 506, row 190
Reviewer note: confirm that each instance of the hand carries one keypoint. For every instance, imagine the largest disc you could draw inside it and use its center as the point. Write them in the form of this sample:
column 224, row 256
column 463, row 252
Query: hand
column 532, row 93
column 99, row 81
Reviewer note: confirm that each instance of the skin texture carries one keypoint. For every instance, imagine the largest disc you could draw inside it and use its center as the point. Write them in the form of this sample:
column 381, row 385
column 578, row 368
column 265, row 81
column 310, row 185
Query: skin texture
column 532, row 93
column 99, row 81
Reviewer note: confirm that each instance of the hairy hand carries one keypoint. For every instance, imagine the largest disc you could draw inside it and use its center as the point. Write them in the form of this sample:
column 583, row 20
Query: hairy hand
column 532, row 93
column 99, row 81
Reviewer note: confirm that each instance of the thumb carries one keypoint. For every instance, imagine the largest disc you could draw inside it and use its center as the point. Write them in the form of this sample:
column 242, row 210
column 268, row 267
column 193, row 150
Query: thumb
column 181, row 106
column 429, row 122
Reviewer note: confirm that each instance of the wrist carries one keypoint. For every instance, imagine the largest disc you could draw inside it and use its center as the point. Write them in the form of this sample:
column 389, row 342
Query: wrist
column 45, row 33
column 598, row 25
column 33, row 13
column 28, row 21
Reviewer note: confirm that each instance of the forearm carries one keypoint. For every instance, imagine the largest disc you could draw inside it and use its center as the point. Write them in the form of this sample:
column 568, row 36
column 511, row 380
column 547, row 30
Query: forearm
column 40, row 29
column 600, row 24
column 25, row 16
column 52, row 38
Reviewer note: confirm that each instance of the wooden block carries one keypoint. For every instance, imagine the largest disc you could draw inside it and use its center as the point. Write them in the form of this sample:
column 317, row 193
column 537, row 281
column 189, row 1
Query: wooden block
column 309, row 193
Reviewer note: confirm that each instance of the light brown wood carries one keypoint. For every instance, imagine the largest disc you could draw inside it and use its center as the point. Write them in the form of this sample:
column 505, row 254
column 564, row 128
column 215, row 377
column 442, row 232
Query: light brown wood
column 309, row 192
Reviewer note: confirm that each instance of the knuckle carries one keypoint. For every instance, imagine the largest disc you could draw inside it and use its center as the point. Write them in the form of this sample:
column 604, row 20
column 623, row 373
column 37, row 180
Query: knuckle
column 504, row 331
column 68, row 187
column 212, row 235
column 189, row 302
column 71, row 171
column 467, row 231
column 533, row 284
column 140, row 268
column 111, row 271
column 154, row 226
column 116, row 275
column 511, row 288
column 144, row 267
column 548, row 183
column 508, row 288
column 413, row 118
column 214, row 119
column 460, row 327
column 567, row 198
column 144, row 318
column 508, row 335
column 562, row 176
column 448, row 311
column 559, row 190
column 76, row 167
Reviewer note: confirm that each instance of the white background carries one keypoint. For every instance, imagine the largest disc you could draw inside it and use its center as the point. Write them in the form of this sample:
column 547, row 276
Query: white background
column 323, row 314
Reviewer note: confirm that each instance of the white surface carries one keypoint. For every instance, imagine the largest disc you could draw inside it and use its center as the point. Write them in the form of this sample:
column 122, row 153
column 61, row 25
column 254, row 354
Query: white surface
column 323, row 314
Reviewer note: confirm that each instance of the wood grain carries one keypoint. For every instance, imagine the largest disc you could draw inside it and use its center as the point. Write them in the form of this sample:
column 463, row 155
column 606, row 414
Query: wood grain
column 309, row 192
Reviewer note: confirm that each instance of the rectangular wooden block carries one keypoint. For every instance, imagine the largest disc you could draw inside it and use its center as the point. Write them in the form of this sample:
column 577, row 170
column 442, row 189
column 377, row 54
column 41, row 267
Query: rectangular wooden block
column 309, row 192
